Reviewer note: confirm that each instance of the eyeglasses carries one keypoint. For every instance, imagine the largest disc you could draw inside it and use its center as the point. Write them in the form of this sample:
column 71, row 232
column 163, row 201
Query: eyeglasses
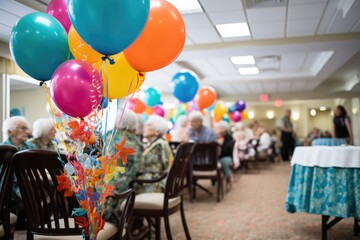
column 24, row 128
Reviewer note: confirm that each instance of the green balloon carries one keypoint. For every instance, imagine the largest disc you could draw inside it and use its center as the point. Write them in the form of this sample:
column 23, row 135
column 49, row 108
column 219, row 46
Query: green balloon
column 179, row 111
column 38, row 43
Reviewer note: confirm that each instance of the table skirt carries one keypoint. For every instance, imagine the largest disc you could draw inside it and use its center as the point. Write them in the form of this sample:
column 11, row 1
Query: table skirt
column 331, row 191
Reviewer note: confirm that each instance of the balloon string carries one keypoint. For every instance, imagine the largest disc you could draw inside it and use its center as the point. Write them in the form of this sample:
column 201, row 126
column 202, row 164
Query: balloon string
column 106, row 57
column 106, row 96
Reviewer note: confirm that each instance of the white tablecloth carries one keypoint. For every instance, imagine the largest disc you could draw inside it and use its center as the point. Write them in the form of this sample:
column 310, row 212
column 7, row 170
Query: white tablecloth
column 327, row 156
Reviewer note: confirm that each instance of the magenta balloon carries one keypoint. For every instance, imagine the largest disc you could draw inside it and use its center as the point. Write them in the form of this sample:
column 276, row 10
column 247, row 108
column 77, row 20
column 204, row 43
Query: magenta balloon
column 76, row 88
column 236, row 116
column 159, row 110
column 58, row 9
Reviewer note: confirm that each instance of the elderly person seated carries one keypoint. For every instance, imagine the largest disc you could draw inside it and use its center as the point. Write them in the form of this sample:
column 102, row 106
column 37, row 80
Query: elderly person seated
column 264, row 142
column 181, row 130
column 157, row 157
column 199, row 132
column 16, row 132
column 226, row 142
column 43, row 133
column 126, row 131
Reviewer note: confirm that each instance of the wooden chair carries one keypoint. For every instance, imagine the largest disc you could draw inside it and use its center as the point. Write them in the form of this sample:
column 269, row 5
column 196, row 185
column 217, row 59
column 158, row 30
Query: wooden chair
column 174, row 145
column 47, row 211
column 6, row 183
column 205, row 165
column 157, row 205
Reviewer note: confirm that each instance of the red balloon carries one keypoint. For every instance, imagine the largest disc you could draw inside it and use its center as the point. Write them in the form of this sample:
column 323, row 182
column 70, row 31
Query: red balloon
column 58, row 9
column 161, row 41
column 205, row 97
column 136, row 105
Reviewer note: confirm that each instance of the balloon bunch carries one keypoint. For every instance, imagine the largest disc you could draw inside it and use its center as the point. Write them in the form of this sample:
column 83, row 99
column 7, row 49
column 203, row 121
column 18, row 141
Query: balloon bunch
column 95, row 51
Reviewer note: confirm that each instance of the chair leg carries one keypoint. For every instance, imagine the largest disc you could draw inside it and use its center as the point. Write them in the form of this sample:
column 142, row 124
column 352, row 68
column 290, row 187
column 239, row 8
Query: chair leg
column 219, row 183
column 167, row 227
column 356, row 227
column 183, row 219
column 157, row 229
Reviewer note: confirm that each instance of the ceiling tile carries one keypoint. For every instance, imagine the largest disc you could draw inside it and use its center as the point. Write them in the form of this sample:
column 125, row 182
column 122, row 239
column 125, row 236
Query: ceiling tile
column 259, row 15
column 227, row 17
column 297, row 86
column 15, row 8
column 204, row 35
column 269, row 87
column 307, row 11
column 284, row 86
column 303, row 27
column 199, row 20
column 223, row 66
column 293, row 2
column 221, row 6
column 255, row 87
column 203, row 66
column 241, row 87
column 267, row 30
column 188, row 41
column 327, row 16
column 7, row 18
column 292, row 62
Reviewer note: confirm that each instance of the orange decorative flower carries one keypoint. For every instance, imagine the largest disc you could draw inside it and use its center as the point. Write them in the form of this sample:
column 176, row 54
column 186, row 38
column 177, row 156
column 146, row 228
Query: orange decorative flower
column 64, row 184
column 123, row 152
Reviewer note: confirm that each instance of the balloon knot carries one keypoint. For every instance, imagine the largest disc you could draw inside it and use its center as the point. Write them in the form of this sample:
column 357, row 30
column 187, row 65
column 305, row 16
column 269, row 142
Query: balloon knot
column 42, row 84
column 106, row 57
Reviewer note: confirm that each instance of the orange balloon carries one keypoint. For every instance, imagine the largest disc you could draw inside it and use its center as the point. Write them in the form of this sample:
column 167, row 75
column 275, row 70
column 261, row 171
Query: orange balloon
column 80, row 49
column 205, row 97
column 149, row 111
column 161, row 41
column 136, row 105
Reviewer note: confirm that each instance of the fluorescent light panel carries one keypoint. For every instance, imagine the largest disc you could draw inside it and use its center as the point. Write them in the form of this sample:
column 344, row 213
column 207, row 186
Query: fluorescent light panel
column 248, row 71
column 187, row 6
column 233, row 30
column 243, row 60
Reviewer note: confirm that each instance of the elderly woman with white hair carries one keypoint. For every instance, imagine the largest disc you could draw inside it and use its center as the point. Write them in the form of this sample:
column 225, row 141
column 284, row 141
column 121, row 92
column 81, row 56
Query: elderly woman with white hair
column 16, row 131
column 226, row 142
column 126, row 131
column 43, row 133
column 157, row 157
column 181, row 130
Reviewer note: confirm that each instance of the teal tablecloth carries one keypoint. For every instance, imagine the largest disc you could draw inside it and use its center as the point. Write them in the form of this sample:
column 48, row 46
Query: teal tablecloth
column 331, row 191
column 329, row 141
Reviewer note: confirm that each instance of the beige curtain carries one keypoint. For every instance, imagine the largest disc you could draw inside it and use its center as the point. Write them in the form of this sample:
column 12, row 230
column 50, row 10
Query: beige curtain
column 8, row 66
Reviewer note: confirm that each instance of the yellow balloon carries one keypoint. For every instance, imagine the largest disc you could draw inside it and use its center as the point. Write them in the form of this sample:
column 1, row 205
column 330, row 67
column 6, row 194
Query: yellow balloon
column 119, row 79
column 220, row 109
column 80, row 49
column 244, row 115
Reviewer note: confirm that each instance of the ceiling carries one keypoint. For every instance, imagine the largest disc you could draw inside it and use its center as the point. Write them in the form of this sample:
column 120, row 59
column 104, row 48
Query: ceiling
column 304, row 49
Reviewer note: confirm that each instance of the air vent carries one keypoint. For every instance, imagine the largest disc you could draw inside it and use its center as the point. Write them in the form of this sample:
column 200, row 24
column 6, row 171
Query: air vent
column 264, row 3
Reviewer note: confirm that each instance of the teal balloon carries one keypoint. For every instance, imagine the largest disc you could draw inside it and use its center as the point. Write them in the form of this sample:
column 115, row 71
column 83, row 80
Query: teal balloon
column 152, row 97
column 226, row 118
column 39, row 44
column 212, row 107
column 109, row 26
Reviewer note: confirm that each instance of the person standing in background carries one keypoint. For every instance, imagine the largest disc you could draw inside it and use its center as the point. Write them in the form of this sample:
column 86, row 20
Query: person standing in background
column 286, row 127
column 342, row 125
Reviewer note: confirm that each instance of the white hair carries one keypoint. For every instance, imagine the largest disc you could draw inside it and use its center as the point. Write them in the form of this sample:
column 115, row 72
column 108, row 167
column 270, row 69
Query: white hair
column 11, row 124
column 140, row 121
column 42, row 127
column 181, row 121
column 240, row 126
column 223, row 125
column 159, row 123
column 128, row 120
column 196, row 115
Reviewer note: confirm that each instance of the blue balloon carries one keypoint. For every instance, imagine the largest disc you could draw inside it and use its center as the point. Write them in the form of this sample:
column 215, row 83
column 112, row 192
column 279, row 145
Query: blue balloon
column 185, row 85
column 232, row 109
column 212, row 107
column 39, row 44
column 104, row 102
column 109, row 26
column 152, row 97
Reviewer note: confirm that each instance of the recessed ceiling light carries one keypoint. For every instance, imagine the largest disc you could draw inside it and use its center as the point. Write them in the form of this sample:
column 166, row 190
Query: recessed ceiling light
column 313, row 112
column 233, row 29
column 322, row 108
column 248, row 70
column 187, row 7
column 243, row 60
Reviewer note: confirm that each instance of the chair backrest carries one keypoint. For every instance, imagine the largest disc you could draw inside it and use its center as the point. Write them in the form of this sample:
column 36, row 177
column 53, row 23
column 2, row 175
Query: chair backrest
column 205, row 156
column 174, row 145
column 177, row 173
column 6, row 183
column 47, row 210
column 129, row 196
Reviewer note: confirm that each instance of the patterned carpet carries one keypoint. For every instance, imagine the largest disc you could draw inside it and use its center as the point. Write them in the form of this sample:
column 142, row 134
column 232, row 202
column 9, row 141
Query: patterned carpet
column 252, row 209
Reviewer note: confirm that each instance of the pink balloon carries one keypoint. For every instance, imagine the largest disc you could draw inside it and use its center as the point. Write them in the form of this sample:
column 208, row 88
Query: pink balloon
column 76, row 88
column 58, row 9
column 236, row 116
column 159, row 110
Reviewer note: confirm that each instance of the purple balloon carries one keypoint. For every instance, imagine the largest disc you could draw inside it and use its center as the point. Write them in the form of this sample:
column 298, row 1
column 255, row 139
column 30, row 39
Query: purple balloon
column 193, row 105
column 240, row 105
column 58, row 9
column 236, row 116
column 159, row 110
column 76, row 88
